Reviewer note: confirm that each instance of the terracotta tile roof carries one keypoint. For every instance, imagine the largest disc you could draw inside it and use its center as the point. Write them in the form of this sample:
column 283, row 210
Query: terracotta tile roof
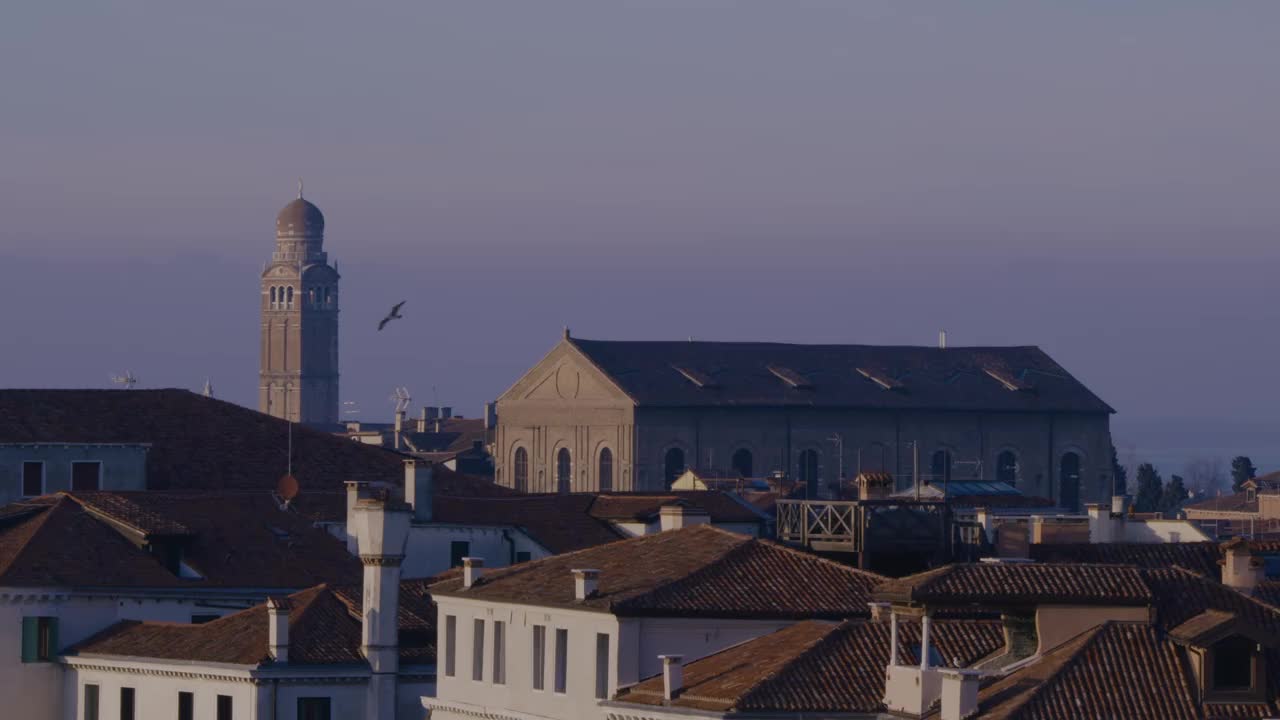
column 230, row 539
column 1201, row 557
column 559, row 523
column 722, row 506
column 739, row 374
column 698, row 571
column 201, row 443
column 324, row 629
column 814, row 667
column 1115, row 670
column 1181, row 595
column 1238, row 502
column 995, row 583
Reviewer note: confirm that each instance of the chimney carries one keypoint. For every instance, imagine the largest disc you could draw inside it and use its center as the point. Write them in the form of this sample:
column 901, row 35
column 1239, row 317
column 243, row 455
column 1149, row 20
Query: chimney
column 672, row 675
column 446, row 412
column 422, row 421
column 874, row 486
column 384, row 530
column 490, row 415
column 419, row 488
column 679, row 515
column 983, row 516
column 1103, row 526
column 911, row 690
column 472, row 570
column 355, row 490
column 959, row 693
column 942, row 339
column 585, row 584
column 1119, row 504
column 431, row 412
column 278, row 629
column 1240, row 569
column 399, row 429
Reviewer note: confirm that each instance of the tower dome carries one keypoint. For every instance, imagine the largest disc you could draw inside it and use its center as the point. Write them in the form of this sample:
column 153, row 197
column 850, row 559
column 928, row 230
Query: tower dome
column 300, row 218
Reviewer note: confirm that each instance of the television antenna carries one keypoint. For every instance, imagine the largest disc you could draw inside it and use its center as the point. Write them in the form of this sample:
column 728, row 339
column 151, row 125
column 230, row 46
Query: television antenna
column 127, row 380
column 350, row 408
column 207, row 391
column 401, row 398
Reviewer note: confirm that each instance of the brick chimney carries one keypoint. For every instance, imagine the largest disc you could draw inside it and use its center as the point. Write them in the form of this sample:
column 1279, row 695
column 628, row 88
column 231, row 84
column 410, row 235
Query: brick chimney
column 585, row 584
column 672, row 675
column 678, row 515
column 419, row 489
column 959, row 693
column 472, row 571
column 278, row 628
column 1240, row 569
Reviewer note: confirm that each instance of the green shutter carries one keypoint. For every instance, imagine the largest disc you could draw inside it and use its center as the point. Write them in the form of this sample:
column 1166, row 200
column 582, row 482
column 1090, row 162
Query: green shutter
column 30, row 631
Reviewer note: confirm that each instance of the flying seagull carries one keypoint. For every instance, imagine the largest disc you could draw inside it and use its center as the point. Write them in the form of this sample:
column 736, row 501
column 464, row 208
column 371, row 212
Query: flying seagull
column 393, row 315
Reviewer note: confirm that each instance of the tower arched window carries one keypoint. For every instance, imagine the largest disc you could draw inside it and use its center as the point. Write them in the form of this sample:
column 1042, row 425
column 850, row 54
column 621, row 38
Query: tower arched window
column 564, row 471
column 521, row 474
column 940, row 468
column 326, row 297
column 1007, row 468
column 672, row 467
column 741, row 463
column 273, row 297
column 606, row 470
column 288, row 294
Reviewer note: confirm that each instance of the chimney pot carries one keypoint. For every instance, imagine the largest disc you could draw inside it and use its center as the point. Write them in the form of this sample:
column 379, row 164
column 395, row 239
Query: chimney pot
column 586, row 583
column 672, row 675
column 959, row 693
column 472, row 569
column 419, row 488
column 1119, row 504
column 431, row 412
column 446, row 412
column 278, row 628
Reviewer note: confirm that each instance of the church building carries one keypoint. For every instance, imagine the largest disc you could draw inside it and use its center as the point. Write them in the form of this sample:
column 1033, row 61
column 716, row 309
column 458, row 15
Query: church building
column 298, row 377
column 596, row 416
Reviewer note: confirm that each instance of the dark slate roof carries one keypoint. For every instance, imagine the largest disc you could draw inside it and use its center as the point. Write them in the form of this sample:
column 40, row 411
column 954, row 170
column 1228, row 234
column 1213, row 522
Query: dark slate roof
column 324, row 629
column 559, row 523
column 695, row 572
column 202, row 443
column 1022, row 583
column 814, row 667
column 749, row 374
column 233, row 540
column 1200, row 557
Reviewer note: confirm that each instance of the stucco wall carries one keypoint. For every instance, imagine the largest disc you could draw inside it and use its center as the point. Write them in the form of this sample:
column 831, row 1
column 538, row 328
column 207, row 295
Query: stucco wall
column 124, row 467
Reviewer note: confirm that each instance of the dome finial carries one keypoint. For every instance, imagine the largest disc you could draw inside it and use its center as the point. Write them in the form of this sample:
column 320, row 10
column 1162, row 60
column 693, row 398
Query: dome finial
column 299, row 188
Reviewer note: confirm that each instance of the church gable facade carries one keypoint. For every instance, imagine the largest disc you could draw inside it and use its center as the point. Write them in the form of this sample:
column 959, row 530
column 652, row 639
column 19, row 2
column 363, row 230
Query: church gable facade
column 598, row 416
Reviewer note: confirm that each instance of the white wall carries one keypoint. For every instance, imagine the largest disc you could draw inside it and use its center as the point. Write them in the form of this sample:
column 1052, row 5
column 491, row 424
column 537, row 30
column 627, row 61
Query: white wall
column 155, row 695
column 1162, row 531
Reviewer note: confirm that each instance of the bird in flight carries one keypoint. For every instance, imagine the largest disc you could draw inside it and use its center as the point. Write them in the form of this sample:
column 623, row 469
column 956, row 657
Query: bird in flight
column 393, row 315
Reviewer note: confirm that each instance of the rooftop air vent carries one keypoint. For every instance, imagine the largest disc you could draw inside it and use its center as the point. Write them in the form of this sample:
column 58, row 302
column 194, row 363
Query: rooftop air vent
column 791, row 377
column 881, row 378
column 700, row 379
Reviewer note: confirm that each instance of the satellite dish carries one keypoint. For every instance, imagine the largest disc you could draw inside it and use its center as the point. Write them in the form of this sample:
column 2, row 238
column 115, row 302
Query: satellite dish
column 287, row 488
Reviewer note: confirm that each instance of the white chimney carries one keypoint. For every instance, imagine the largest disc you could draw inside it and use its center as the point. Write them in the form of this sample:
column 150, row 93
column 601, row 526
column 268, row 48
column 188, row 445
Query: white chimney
column 399, row 429
column 942, row 339
column 672, row 675
column 1119, row 504
column 983, row 516
column 1240, row 569
column 679, row 515
column 959, row 693
column 384, row 531
column 278, row 629
column 422, row 421
column 355, row 490
column 585, row 584
column 472, row 569
column 419, row 488
column 1103, row 526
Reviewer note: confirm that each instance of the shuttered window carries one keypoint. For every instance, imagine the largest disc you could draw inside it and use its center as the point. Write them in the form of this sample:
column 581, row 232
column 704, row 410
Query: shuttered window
column 39, row 639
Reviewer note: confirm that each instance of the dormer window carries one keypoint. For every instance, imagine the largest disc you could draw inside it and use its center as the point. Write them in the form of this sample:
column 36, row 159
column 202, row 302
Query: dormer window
column 1251, row 494
column 1234, row 662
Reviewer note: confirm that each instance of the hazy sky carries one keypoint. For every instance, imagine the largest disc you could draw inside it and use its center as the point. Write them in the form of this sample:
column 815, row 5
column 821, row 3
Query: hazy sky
column 1101, row 179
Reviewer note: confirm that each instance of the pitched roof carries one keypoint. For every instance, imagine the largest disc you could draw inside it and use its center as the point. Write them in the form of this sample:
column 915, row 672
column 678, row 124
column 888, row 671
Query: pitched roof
column 324, row 628
column 559, row 523
column 814, row 667
column 201, row 443
column 763, row 374
column 1201, row 557
column 1236, row 502
column 1117, row 669
column 721, row 506
column 1022, row 583
column 230, row 539
column 698, row 571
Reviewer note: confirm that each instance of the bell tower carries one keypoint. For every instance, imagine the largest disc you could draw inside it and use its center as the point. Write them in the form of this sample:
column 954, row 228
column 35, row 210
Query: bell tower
column 298, row 376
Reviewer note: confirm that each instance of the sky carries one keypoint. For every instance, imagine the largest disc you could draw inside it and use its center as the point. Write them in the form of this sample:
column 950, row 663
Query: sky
column 1100, row 179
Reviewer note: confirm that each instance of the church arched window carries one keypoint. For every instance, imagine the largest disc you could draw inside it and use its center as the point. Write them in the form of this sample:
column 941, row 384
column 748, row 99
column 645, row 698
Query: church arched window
column 273, row 297
column 288, row 295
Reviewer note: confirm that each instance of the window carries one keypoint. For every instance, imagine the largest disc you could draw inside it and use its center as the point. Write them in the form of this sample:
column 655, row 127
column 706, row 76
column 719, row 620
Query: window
column 562, row 659
column 200, row 619
column 186, row 706
column 1007, row 468
column 313, row 708
column 1069, row 479
column 606, row 470
column 450, row 645
column 940, row 467
column 126, row 703
column 741, row 463
column 1233, row 664
column 522, row 470
column 499, row 653
column 539, row 657
column 807, row 472
column 91, row 702
column 39, row 639
column 672, row 467
column 224, row 707
column 564, row 471
column 458, row 549
column 288, row 297
column 477, row 651
column 602, row 666
column 86, row 475
column 523, row 556
column 32, row 478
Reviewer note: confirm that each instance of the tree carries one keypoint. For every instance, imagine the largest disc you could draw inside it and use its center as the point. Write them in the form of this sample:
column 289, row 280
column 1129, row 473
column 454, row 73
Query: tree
column 1150, row 489
column 1120, row 476
column 1175, row 493
column 1242, row 469
column 1206, row 475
